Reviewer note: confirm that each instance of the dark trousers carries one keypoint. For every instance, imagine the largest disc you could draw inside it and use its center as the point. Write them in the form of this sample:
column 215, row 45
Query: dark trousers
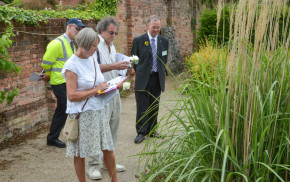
column 148, row 106
column 59, row 116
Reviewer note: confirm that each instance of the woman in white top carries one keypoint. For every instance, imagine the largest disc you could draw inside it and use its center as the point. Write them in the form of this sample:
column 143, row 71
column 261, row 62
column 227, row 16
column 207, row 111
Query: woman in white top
column 94, row 132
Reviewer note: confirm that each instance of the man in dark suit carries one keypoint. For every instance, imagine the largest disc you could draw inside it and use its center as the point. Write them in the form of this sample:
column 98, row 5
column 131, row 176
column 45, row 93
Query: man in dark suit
column 152, row 50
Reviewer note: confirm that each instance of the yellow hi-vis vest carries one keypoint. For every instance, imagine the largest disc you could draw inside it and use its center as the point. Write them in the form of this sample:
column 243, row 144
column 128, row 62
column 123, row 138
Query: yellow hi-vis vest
column 57, row 53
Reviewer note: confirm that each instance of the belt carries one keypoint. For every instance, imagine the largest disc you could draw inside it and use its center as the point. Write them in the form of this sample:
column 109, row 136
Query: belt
column 153, row 73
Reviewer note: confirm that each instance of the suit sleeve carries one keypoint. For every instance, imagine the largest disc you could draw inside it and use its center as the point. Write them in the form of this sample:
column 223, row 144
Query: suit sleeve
column 135, row 51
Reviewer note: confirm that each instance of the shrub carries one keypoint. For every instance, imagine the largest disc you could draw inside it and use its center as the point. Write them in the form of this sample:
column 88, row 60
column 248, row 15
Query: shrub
column 202, row 64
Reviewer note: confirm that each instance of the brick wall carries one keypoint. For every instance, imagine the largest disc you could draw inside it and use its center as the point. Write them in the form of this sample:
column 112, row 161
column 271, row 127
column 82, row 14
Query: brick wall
column 121, row 40
column 36, row 102
column 180, row 20
column 133, row 14
column 30, row 106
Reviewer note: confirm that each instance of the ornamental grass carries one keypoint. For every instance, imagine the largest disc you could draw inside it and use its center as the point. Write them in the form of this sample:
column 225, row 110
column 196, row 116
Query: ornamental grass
column 234, row 127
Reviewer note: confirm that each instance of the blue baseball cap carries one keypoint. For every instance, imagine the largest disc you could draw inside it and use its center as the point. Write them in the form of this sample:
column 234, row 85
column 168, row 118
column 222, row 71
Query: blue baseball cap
column 76, row 21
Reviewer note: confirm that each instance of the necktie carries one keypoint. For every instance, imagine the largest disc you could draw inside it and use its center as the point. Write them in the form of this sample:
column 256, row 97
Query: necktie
column 154, row 52
column 98, row 55
column 72, row 46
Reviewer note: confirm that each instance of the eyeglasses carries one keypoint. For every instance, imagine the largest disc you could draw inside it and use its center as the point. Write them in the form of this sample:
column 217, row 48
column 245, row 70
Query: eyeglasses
column 156, row 28
column 112, row 33
column 77, row 28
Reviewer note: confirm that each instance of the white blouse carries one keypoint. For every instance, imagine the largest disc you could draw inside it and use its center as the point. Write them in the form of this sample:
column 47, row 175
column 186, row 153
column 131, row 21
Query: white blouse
column 85, row 71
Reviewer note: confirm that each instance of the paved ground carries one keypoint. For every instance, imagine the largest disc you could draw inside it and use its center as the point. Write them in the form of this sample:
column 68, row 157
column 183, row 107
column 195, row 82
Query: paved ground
column 34, row 161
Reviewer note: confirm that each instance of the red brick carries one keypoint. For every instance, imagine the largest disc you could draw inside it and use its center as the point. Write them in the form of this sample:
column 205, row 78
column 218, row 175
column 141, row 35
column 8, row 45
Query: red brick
column 34, row 56
column 28, row 66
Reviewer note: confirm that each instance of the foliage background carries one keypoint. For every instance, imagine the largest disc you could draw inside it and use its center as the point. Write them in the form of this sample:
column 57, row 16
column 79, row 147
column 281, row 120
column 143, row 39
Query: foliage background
column 207, row 28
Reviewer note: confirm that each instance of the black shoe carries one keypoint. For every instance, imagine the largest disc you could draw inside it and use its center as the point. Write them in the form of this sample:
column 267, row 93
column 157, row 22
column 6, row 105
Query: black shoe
column 56, row 143
column 139, row 138
column 155, row 134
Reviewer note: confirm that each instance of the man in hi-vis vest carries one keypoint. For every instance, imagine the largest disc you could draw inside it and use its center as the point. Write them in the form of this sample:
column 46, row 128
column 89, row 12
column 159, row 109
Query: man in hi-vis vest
column 57, row 53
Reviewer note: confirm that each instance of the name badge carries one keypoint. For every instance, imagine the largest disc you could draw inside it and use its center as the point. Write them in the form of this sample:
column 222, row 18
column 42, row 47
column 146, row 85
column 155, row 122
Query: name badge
column 164, row 53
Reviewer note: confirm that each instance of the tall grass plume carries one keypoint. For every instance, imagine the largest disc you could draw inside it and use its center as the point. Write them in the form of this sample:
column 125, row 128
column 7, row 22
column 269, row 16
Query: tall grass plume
column 233, row 126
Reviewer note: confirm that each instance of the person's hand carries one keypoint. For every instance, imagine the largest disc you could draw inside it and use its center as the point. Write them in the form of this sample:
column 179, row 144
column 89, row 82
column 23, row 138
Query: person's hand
column 45, row 77
column 120, row 85
column 121, row 65
column 130, row 71
column 103, row 86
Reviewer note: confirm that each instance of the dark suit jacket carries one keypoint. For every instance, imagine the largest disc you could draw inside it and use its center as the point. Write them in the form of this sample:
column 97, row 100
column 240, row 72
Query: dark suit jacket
column 144, row 67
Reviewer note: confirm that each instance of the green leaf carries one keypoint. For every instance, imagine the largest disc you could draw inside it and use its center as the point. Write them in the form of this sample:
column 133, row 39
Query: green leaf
column 2, row 96
column 11, row 95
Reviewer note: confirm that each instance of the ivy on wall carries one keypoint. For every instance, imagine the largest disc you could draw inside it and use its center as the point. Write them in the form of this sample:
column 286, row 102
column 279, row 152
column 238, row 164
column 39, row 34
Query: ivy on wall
column 8, row 14
column 110, row 7
column 7, row 1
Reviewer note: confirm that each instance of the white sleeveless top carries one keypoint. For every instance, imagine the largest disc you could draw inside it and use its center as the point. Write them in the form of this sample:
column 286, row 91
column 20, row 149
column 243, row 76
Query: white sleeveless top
column 85, row 71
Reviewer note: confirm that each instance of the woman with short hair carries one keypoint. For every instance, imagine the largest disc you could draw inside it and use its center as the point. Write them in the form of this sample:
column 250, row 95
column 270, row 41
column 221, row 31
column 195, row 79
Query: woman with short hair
column 83, row 81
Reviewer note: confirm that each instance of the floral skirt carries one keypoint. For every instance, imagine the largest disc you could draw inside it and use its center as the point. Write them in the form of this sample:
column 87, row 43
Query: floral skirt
column 94, row 135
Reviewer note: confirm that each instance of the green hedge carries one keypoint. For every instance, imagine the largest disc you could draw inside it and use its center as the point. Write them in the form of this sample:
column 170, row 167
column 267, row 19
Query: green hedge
column 207, row 26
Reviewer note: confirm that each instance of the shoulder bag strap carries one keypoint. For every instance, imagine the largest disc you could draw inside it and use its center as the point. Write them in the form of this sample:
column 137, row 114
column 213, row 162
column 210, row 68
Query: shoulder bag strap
column 78, row 116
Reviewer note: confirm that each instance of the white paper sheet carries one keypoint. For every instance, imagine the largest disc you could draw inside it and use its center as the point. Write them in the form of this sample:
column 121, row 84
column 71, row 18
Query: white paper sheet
column 122, row 57
column 109, row 96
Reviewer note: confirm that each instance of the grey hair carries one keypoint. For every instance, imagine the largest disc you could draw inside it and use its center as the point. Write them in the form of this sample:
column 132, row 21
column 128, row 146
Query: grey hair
column 104, row 24
column 86, row 37
column 153, row 18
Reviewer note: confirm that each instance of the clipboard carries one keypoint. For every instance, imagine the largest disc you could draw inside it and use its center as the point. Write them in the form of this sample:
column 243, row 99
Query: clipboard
column 113, row 84
column 35, row 77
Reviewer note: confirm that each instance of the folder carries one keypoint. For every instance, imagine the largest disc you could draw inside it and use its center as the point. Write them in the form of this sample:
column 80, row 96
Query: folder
column 35, row 77
column 113, row 84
